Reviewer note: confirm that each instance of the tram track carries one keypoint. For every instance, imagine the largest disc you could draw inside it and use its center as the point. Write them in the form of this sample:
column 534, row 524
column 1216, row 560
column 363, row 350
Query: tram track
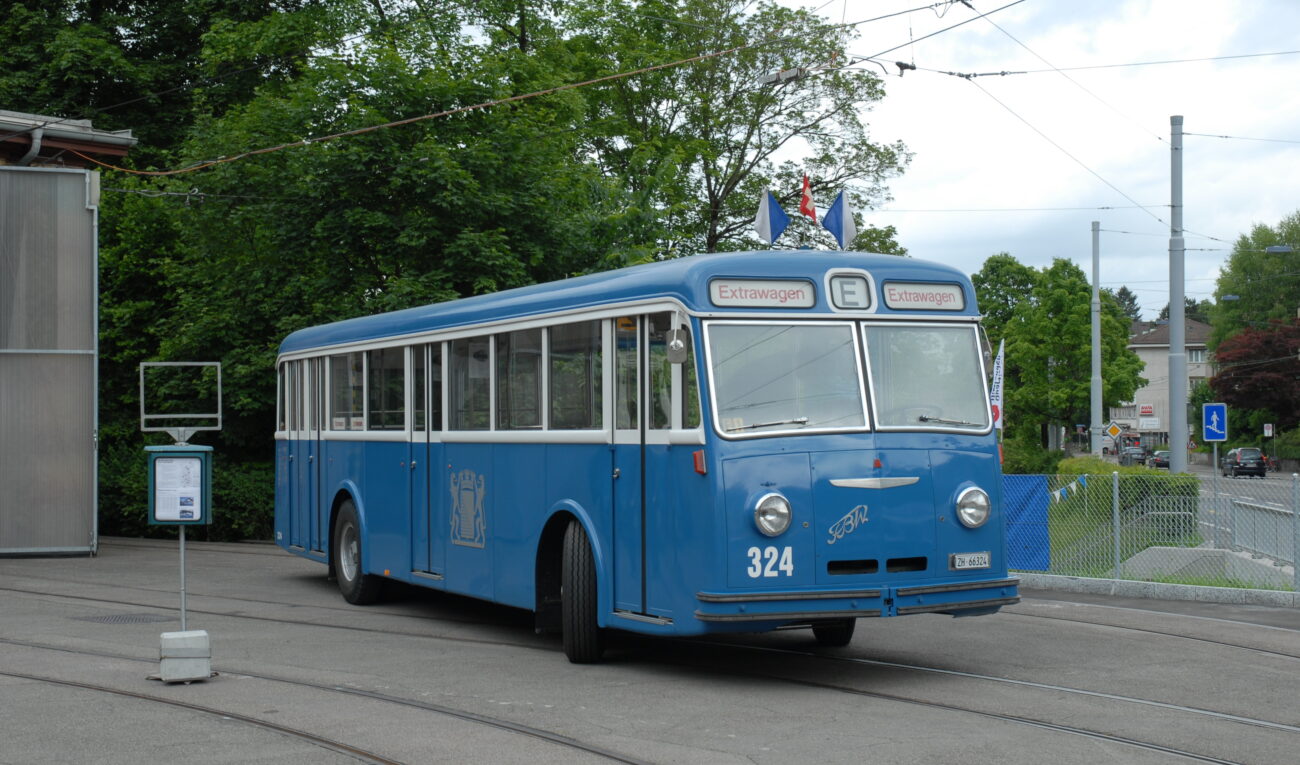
column 1030, row 684
column 461, row 714
column 1099, row 736
column 1020, row 720
column 361, row 755
column 1016, row 719
column 463, row 622
column 735, row 648
column 1019, row 612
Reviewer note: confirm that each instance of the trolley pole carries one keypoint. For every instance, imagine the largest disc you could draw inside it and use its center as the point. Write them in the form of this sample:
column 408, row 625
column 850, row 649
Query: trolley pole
column 1096, row 339
column 1177, row 327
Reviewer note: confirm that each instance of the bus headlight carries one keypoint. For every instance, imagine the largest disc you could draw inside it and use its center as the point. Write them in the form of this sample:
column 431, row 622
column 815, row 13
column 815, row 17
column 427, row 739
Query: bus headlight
column 973, row 507
column 772, row 514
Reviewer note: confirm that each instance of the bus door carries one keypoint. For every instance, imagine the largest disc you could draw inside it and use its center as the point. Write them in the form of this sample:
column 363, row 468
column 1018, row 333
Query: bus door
column 295, row 420
column 629, row 467
column 642, row 416
column 428, row 510
column 309, row 487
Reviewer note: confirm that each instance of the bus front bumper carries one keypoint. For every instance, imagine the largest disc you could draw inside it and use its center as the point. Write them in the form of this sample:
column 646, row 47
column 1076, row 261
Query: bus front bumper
column 962, row 598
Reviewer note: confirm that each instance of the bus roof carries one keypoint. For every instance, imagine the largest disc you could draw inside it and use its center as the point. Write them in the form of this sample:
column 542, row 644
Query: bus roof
column 685, row 280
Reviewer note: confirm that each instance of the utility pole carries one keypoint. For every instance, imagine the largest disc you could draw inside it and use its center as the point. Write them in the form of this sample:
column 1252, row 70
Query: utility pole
column 1177, row 327
column 1096, row 339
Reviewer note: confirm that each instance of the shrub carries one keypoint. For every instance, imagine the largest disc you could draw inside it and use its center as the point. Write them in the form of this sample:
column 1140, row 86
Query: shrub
column 1025, row 456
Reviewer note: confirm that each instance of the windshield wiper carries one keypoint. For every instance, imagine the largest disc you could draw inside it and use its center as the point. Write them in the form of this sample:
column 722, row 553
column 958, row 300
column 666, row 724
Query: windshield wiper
column 942, row 421
column 795, row 421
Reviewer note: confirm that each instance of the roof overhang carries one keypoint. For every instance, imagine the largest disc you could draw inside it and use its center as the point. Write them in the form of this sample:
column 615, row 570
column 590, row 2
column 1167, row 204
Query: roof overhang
column 54, row 140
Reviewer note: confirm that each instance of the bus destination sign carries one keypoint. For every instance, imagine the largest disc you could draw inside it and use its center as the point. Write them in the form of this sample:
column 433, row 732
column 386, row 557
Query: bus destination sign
column 762, row 293
column 933, row 297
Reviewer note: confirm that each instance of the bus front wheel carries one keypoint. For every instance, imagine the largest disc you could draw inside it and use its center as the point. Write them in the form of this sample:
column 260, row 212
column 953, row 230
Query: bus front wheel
column 581, row 633
column 834, row 633
column 358, row 588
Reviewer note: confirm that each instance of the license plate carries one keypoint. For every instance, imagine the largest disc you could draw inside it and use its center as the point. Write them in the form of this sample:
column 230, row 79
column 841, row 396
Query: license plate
column 969, row 560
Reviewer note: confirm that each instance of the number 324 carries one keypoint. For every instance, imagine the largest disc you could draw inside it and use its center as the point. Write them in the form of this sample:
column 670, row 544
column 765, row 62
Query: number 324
column 770, row 561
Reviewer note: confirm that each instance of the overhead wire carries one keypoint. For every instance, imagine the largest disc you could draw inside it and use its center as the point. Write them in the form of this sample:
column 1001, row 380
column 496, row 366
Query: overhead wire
column 1010, row 209
column 1007, row 73
column 1064, row 151
column 1243, row 138
column 1073, row 81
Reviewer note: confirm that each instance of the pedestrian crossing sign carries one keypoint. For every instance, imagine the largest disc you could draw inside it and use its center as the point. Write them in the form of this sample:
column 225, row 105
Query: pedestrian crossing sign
column 1214, row 422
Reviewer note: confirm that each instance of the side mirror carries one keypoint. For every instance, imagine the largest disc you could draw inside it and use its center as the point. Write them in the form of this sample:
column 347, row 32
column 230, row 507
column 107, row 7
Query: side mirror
column 679, row 346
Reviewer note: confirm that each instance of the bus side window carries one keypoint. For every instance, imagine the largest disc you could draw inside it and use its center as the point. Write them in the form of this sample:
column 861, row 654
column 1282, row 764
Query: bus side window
column 296, row 420
column 347, row 384
column 427, row 380
column 661, row 372
column 280, row 411
column 690, row 388
column 519, row 380
column 625, row 373
column 386, row 381
column 576, row 387
column 470, row 395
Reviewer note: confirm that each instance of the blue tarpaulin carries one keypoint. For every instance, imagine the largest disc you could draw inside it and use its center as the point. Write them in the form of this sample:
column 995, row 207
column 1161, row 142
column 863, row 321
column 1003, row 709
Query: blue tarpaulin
column 1025, row 500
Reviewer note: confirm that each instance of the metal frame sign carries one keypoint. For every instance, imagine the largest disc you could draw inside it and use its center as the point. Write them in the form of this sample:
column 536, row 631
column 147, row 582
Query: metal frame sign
column 916, row 296
column 762, row 293
column 1214, row 422
column 180, row 485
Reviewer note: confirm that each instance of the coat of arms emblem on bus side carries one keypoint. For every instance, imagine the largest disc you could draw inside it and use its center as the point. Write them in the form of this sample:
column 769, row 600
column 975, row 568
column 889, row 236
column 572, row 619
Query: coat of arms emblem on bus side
column 468, row 526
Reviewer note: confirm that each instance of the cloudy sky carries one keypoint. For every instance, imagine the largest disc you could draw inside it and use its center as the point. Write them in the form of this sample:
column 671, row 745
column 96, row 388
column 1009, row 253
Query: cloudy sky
column 993, row 153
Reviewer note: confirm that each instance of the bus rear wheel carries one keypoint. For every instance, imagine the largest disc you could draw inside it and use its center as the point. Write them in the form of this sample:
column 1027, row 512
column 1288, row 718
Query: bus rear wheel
column 581, row 633
column 834, row 633
column 358, row 588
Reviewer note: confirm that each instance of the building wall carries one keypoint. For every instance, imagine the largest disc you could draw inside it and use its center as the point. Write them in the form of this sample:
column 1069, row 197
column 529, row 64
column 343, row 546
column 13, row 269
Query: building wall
column 48, row 353
column 1154, row 426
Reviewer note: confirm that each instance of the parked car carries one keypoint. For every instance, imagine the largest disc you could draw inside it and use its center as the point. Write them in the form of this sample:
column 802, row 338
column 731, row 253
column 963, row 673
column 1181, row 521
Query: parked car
column 1133, row 455
column 1160, row 459
column 1245, row 460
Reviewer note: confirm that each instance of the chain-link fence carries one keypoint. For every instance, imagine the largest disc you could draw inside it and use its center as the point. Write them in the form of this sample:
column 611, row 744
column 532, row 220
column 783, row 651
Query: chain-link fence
column 1180, row 529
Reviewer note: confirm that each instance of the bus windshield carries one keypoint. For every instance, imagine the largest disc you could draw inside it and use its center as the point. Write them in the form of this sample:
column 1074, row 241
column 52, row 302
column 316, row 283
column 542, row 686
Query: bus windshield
column 779, row 377
column 926, row 376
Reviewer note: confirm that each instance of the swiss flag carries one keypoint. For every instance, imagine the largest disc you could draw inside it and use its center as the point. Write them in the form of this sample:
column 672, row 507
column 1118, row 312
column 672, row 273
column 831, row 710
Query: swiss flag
column 806, row 201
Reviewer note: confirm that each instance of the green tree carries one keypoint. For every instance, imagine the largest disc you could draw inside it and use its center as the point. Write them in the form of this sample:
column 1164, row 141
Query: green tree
column 233, row 258
column 1002, row 284
column 1128, row 303
column 134, row 64
column 1049, row 349
column 699, row 144
column 1255, row 285
column 1259, row 372
column 1192, row 309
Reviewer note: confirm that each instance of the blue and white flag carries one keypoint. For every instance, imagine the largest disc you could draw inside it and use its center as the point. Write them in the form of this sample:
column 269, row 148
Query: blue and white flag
column 771, row 219
column 839, row 221
column 995, row 388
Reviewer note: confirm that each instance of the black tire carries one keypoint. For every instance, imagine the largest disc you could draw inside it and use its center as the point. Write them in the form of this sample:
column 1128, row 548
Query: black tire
column 581, row 633
column 358, row 588
column 834, row 633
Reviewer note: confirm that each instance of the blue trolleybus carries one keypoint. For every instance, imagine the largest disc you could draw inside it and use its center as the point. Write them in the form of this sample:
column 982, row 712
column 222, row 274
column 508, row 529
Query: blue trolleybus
column 720, row 443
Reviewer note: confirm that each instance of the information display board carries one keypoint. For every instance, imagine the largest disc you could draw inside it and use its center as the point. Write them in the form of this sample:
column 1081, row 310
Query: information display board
column 180, row 485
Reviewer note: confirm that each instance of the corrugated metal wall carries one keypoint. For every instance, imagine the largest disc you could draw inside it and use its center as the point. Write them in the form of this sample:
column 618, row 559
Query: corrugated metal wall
column 48, row 354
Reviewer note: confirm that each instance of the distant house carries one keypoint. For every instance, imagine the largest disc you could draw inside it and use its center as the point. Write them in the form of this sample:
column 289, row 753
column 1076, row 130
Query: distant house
column 1148, row 413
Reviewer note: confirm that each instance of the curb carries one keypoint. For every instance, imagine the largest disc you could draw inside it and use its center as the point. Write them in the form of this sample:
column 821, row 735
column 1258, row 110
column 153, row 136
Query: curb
column 1160, row 590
